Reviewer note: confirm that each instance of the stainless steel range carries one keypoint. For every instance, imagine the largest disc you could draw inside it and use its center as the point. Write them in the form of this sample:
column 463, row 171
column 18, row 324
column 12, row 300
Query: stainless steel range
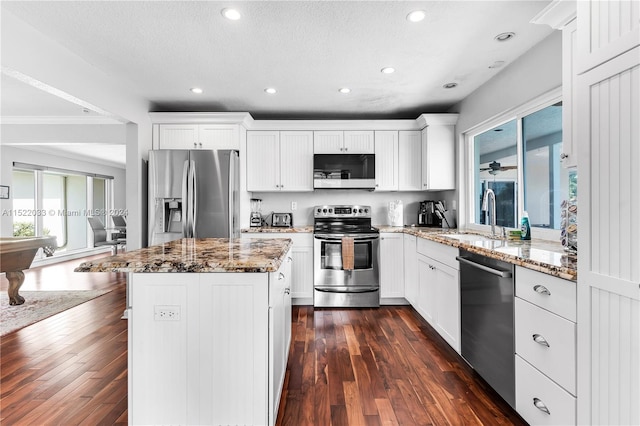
column 345, row 257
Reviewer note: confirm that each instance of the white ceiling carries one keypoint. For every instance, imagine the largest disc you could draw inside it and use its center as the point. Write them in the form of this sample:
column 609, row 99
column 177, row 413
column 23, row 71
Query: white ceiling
column 307, row 50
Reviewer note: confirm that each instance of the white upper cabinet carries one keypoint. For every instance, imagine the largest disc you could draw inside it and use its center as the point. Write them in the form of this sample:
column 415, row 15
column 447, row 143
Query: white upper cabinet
column 296, row 161
column 438, row 157
column 198, row 136
column 606, row 29
column 263, row 161
column 386, row 144
column 359, row 142
column 410, row 160
column 279, row 161
column 343, row 142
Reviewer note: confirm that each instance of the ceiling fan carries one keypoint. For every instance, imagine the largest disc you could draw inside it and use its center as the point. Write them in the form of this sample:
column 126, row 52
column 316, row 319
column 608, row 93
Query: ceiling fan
column 495, row 167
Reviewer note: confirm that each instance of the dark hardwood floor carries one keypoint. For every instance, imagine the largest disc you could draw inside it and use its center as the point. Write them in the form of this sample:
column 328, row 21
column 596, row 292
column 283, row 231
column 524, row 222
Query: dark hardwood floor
column 346, row 366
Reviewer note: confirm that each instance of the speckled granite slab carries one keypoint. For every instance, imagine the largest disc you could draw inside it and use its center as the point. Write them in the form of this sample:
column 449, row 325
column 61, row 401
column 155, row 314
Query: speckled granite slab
column 543, row 256
column 269, row 229
column 198, row 255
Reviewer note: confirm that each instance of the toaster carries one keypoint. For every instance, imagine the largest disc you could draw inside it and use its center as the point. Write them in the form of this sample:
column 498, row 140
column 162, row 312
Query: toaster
column 283, row 220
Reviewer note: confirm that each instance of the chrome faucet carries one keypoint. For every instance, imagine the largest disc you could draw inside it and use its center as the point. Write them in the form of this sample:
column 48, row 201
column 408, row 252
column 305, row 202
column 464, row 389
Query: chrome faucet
column 490, row 197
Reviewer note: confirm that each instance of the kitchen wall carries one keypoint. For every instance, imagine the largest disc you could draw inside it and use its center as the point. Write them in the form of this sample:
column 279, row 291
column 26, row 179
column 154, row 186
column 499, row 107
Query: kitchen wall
column 536, row 72
column 281, row 202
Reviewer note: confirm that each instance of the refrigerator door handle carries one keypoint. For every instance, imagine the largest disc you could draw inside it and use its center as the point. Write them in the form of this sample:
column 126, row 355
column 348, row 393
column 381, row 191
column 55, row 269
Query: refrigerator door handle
column 185, row 200
column 232, row 195
column 194, row 198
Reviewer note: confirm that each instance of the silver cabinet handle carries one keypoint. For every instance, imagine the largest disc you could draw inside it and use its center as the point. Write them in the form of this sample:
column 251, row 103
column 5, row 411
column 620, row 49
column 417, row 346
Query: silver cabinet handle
column 195, row 145
column 200, row 144
column 563, row 156
column 287, row 291
column 540, row 340
column 280, row 276
column 289, row 259
column 542, row 290
column 540, row 405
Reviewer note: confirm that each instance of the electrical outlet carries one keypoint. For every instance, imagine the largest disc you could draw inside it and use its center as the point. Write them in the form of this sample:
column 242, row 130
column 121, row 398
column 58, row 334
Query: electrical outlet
column 294, row 205
column 166, row 312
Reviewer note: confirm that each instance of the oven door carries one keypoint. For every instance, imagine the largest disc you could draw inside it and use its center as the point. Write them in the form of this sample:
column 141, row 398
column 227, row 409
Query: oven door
column 328, row 268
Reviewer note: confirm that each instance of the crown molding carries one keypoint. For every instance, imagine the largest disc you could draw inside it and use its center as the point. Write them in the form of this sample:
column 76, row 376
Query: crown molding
column 557, row 14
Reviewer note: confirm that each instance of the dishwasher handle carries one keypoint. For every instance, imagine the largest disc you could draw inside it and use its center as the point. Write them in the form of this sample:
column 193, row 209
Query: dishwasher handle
column 502, row 274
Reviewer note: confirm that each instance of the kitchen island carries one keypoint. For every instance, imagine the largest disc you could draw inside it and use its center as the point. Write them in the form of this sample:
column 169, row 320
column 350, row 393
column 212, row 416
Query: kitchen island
column 209, row 329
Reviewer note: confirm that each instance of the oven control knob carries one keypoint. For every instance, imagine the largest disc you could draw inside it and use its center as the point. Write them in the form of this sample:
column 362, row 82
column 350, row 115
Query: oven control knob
column 330, row 210
column 360, row 211
column 366, row 210
column 319, row 210
column 324, row 210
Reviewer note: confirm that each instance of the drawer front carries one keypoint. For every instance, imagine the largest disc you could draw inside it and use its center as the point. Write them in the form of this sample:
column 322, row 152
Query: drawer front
column 551, row 293
column 558, row 360
column 534, row 388
column 437, row 251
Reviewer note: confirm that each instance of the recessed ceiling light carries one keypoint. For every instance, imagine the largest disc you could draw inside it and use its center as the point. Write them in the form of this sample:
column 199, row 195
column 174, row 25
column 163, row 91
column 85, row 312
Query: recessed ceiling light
column 505, row 36
column 496, row 64
column 196, row 90
column 344, row 90
column 270, row 90
column 450, row 85
column 387, row 70
column 416, row 16
column 231, row 14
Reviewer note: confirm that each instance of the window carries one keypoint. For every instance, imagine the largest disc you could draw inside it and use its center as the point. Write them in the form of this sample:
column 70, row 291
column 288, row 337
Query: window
column 519, row 159
column 57, row 203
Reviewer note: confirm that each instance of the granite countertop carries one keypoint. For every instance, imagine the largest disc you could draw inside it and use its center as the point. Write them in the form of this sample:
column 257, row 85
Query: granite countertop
column 540, row 255
column 279, row 230
column 198, row 255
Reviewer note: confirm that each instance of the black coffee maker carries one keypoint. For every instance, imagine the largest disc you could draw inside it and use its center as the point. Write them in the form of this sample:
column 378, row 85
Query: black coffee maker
column 427, row 214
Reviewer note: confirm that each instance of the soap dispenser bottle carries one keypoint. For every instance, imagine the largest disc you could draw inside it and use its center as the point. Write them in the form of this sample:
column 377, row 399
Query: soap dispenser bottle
column 525, row 228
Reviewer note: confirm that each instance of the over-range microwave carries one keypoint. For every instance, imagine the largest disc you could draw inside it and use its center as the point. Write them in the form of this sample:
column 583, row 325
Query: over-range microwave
column 339, row 171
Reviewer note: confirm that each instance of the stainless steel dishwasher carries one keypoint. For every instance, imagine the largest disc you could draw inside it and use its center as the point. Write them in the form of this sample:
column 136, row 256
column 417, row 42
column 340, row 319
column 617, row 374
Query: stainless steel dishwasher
column 487, row 320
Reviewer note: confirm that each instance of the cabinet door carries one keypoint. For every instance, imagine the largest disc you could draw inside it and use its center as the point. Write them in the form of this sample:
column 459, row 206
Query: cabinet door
column 302, row 272
column 606, row 29
column 328, row 142
column 296, row 161
column 386, row 144
column 410, row 269
column 410, row 161
column 263, row 161
column 391, row 265
column 426, row 289
column 359, row 142
column 277, row 352
column 178, row 136
column 438, row 158
column 447, row 321
column 218, row 136
column 569, row 114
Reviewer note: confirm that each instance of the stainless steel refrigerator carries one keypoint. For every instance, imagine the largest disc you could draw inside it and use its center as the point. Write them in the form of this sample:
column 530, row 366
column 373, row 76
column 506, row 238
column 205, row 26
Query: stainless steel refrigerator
column 193, row 194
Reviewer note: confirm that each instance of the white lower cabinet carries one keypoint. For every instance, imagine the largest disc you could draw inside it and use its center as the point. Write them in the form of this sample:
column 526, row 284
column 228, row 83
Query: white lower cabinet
column 545, row 337
column 410, row 269
column 207, row 348
column 539, row 400
column 438, row 295
column 391, row 266
column 302, row 268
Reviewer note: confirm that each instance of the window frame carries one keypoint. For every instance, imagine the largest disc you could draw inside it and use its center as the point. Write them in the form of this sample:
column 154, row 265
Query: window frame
column 468, row 188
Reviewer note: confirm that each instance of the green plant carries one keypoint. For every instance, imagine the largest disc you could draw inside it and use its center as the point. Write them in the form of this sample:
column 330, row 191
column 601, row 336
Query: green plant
column 27, row 229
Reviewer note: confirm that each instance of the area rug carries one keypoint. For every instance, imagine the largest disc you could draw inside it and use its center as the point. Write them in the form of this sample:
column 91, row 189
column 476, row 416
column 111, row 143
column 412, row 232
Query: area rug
column 39, row 305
